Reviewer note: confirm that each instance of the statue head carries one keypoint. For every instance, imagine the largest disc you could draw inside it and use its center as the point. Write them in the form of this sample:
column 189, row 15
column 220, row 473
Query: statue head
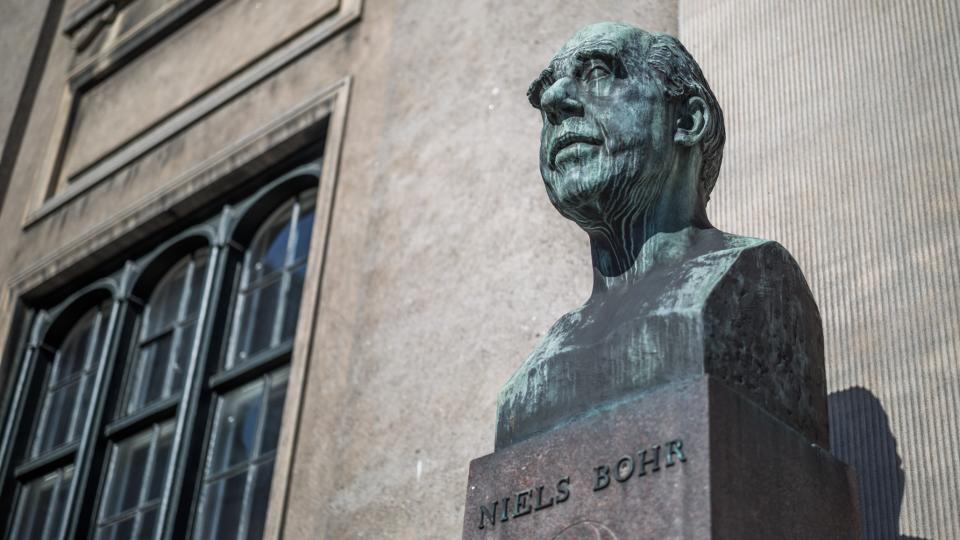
column 628, row 119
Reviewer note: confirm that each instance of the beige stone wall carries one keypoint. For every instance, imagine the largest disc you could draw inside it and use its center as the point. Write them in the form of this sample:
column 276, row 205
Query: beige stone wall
column 21, row 22
column 445, row 262
column 842, row 122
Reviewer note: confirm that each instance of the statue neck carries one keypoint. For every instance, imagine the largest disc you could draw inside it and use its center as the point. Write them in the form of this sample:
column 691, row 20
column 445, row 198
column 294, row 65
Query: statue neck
column 624, row 249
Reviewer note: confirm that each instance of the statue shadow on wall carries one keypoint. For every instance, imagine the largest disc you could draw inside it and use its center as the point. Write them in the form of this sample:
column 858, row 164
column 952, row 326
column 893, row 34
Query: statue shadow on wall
column 860, row 435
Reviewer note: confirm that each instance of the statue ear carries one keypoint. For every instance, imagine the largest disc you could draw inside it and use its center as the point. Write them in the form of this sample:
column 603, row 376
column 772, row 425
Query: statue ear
column 692, row 120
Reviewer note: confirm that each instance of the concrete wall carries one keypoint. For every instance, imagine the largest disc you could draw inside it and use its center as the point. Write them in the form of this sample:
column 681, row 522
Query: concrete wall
column 445, row 262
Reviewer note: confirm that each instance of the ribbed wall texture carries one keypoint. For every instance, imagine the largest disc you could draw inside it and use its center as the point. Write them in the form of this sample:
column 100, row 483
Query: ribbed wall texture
column 843, row 120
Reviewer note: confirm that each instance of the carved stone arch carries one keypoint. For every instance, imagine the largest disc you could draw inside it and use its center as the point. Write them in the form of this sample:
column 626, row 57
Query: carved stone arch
column 150, row 269
column 60, row 320
column 267, row 199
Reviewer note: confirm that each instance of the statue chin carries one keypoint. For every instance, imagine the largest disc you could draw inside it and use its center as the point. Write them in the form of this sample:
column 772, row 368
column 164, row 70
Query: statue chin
column 590, row 200
column 575, row 194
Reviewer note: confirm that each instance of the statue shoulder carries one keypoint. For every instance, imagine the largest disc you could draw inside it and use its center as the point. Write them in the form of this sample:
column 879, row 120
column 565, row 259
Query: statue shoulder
column 768, row 253
column 750, row 264
column 767, row 269
column 750, row 250
column 765, row 334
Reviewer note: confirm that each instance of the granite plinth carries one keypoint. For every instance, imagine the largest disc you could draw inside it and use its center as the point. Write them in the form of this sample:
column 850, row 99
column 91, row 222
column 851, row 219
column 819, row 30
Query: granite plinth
column 694, row 459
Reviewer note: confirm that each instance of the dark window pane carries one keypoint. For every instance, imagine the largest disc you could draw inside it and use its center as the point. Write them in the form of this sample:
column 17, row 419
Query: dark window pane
column 148, row 524
column 66, row 410
column 34, row 507
column 122, row 530
column 269, row 254
column 170, row 322
column 260, row 498
column 260, row 315
column 273, row 276
column 140, row 466
column 129, row 468
column 181, row 360
column 73, row 355
column 304, row 230
column 196, row 284
column 79, row 415
column 222, row 507
column 40, row 509
column 237, row 423
column 60, row 511
column 235, row 451
column 59, row 409
column 151, row 372
column 292, row 308
column 164, row 304
column 161, row 464
column 274, row 413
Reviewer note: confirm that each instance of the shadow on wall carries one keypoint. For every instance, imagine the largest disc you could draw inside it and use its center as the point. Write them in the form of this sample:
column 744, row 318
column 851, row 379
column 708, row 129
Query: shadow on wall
column 860, row 435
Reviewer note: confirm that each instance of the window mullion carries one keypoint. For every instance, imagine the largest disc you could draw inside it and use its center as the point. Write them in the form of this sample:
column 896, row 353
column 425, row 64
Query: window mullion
column 233, row 347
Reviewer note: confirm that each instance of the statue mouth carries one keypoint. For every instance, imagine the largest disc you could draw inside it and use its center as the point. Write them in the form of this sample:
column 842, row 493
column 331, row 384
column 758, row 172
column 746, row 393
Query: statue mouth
column 569, row 139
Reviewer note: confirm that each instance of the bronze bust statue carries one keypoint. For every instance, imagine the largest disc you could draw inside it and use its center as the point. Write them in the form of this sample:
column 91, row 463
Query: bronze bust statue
column 630, row 150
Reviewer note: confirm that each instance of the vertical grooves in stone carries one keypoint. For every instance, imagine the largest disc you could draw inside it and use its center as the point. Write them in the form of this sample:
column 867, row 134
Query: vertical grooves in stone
column 843, row 121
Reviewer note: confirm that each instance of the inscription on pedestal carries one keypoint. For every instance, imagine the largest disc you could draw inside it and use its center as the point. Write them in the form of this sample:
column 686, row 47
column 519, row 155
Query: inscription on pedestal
column 544, row 496
column 691, row 460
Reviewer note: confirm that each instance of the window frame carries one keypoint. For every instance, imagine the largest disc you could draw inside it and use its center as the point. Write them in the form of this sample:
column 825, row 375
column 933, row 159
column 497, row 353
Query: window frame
column 50, row 328
column 227, row 235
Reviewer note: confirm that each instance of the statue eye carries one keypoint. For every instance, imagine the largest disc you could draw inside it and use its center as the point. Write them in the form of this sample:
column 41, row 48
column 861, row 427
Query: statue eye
column 595, row 71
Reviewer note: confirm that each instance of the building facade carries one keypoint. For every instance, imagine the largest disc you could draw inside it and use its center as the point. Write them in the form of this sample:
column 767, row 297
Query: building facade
column 266, row 264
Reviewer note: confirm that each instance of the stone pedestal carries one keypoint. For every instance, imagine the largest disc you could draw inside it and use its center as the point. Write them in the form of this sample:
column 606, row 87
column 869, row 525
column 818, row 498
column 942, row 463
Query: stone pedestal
column 693, row 459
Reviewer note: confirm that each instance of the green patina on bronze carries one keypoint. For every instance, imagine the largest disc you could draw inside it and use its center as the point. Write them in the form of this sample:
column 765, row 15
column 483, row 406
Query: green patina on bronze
column 630, row 150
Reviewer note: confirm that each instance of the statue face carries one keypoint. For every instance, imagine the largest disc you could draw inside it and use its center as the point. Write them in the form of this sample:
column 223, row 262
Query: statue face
column 607, row 135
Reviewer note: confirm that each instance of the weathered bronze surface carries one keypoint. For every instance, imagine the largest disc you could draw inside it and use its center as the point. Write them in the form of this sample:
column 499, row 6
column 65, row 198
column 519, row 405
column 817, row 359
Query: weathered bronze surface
column 693, row 459
column 630, row 150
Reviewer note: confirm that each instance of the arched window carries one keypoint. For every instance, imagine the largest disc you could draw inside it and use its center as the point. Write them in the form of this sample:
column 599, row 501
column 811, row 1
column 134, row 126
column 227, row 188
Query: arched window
column 150, row 404
column 139, row 464
column 68, row 373
column 272, row 281
column 243, row 440
column 66, row 398
column 166, row 334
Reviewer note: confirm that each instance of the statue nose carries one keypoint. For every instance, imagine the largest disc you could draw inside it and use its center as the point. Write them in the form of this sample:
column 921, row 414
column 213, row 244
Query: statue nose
column 559, row 101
